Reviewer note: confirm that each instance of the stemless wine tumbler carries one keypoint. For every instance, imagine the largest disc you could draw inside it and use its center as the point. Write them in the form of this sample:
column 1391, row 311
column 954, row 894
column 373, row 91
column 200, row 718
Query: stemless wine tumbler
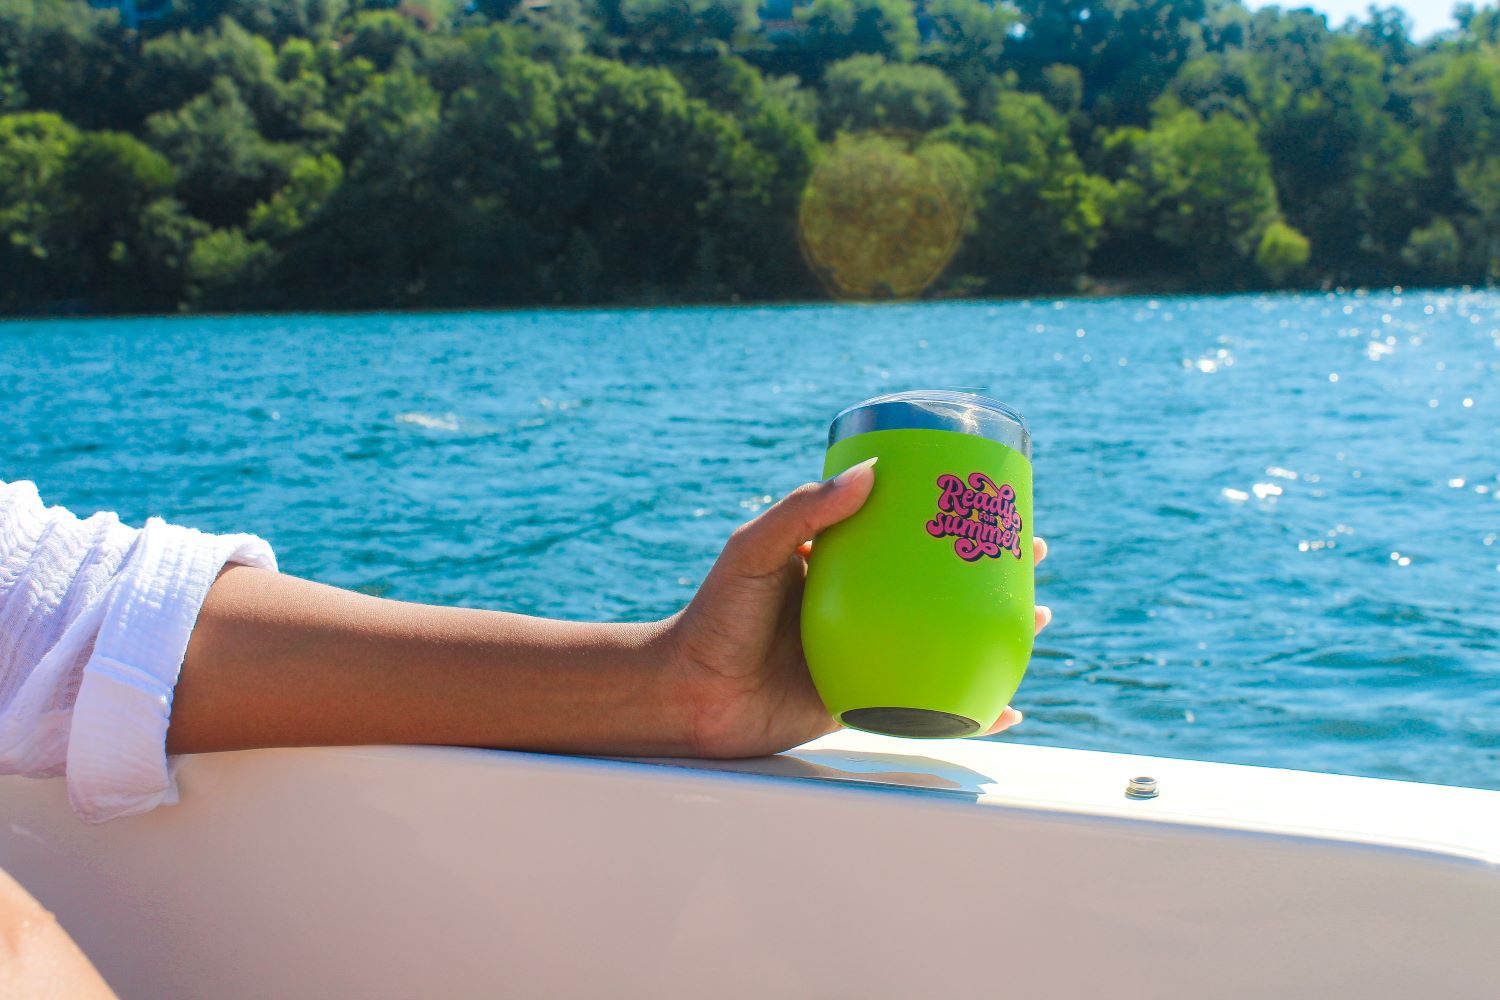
column 918, row 615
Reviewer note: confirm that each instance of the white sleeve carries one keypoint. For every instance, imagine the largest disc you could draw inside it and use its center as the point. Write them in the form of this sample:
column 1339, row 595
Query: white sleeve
column 94, row 623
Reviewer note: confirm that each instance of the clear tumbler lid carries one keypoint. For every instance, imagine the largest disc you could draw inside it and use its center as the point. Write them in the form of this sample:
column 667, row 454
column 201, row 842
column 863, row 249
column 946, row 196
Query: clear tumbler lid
column 939, row 410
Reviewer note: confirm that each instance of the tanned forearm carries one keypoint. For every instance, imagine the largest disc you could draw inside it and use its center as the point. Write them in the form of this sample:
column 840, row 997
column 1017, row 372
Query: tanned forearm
column 278, row 661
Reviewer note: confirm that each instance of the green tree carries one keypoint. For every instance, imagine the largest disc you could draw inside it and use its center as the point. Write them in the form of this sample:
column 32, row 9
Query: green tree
column 132, row 237
column 967, row 42
column 1037, row 213
column 1200, row 188
column 1478, row 26
column 1348, row 166
column 837, row 29
column 377, row 238
column 664, row 27
column 341, row 153
column 1346, row 170
column 866, row 92
column 495, row 10
column 1434, row 252
column 313, row 181
column 295, row 93
column 1457, row 99
column 224, row 165
column 274, row 20
column 306, row 101
column 34, row 245
column 776, row 117
column 1230, row 81
column 563, row 29
column 494, row 160
column 1125, row 50
column 227, row 270
column 1479, row 183
column 64, row 56
column 1388, row 33
column 1062, row 86
column 1282, row 251
column 384, row 37
column 176, row 67
column 657, row 183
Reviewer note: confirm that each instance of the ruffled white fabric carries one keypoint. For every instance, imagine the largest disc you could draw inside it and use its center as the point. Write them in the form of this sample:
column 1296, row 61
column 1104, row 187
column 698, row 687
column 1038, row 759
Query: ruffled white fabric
column 94, row 623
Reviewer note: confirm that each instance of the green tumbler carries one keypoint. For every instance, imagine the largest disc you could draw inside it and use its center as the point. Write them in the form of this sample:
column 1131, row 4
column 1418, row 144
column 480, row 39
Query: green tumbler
column 918, row 615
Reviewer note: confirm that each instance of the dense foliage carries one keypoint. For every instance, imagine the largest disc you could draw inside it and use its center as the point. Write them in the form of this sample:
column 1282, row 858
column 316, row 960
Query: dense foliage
column 252, row 154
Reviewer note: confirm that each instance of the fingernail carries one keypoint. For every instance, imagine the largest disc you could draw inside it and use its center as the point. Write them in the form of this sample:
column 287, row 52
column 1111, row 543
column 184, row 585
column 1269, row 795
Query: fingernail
column 1046, row 613
column 854, row 473
column 1020, row 717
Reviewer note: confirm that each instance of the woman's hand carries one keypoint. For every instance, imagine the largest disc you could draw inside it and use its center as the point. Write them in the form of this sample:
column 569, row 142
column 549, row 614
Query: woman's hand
column 736, row 650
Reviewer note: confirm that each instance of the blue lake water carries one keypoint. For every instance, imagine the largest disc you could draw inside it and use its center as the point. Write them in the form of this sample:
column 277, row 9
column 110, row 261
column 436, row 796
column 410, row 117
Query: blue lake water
column 1275, row 520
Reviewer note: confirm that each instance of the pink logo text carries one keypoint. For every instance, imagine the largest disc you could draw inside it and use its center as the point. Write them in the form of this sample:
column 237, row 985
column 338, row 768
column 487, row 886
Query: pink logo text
column 978, row 515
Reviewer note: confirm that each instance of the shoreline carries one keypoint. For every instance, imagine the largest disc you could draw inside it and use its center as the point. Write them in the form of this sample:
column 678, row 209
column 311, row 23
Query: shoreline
column 1096, row 291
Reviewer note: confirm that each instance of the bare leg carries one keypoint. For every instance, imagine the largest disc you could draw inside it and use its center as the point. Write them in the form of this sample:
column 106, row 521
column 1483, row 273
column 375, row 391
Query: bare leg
column 37, row 958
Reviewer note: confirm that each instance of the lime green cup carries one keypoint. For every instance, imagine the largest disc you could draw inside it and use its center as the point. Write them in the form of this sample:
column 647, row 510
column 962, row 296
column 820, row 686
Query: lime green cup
column 918, row 615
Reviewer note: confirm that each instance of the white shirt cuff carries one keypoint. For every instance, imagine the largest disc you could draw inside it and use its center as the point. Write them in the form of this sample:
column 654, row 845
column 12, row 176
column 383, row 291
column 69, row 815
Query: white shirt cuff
column 117, row 763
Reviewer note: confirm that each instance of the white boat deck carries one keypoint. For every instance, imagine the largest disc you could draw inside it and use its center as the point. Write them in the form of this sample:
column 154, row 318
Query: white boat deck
column 856, row 866
column 1463, row 822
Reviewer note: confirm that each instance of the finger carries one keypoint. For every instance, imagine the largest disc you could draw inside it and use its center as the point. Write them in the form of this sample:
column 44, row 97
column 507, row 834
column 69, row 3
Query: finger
column 1008, row 718
column 762, row 546
column 1038, row 550
column 805, row 549
column 1043, row 617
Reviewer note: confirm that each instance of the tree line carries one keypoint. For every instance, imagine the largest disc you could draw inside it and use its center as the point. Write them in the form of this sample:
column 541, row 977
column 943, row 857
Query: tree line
column 271, row 154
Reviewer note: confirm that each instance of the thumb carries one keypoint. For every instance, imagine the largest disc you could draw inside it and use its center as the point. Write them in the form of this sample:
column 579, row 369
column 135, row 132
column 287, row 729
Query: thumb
column 762, row 546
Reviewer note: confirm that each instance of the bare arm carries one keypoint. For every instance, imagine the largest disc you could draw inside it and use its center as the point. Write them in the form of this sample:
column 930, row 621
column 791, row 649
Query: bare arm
column 277, row 661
